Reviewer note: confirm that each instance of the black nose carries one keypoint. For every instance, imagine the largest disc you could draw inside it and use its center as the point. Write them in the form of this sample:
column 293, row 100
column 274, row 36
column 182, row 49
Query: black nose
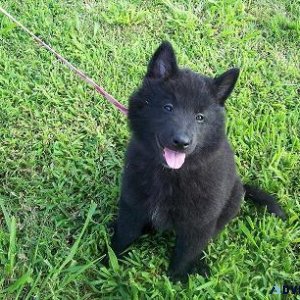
column 181, row 141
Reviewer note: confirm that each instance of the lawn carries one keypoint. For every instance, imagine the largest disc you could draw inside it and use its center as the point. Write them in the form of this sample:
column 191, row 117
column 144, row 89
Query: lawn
column 62, row 145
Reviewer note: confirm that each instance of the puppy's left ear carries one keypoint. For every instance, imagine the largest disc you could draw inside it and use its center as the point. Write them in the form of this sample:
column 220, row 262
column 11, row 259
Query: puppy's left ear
column 163, row 63
column 225, row 83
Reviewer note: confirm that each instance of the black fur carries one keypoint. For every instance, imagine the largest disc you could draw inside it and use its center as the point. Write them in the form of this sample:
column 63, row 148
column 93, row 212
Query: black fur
column 262, row 198
column 204, row 194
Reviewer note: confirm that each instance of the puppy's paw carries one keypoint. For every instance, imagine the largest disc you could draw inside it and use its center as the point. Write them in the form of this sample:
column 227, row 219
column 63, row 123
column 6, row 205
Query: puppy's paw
column 202, row 269
column 182, row 275
column 178, row 276
column 178, row 273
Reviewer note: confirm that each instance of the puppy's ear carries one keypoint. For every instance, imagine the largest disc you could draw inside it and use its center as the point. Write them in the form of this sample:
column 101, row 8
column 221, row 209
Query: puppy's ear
column 163, row 63
column 225, row 83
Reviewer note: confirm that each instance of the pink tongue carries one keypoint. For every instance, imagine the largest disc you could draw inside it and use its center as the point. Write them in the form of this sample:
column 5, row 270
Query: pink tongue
column 174, row 159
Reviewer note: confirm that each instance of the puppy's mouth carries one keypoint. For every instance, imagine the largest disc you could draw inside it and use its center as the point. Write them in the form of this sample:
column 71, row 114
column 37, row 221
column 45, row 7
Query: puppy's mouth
column 174, row 159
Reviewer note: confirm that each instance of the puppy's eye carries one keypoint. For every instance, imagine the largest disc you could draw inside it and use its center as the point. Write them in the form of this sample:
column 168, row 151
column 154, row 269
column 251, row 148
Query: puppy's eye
column 168, row 107
column 199, row 118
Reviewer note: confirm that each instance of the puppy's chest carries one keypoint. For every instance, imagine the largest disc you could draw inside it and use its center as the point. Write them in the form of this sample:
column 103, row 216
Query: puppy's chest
column 172, row 200
column 161, row 212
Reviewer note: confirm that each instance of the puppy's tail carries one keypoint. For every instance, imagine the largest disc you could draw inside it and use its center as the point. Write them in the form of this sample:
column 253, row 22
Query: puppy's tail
column 262, row 198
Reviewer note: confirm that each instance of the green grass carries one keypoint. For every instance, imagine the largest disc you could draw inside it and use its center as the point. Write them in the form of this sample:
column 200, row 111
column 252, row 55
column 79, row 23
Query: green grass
column 62, row 145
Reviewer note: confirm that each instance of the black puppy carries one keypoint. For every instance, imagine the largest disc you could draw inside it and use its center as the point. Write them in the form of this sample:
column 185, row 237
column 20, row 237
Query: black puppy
column 180, row 172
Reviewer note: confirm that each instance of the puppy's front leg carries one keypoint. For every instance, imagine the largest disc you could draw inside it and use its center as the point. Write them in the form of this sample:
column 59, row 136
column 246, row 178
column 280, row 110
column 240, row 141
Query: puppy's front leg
column 128, row 226
column 190, row 242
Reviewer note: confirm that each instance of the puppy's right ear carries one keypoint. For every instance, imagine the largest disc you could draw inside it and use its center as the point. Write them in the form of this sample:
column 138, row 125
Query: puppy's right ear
column 163, row 63
column 225, row 83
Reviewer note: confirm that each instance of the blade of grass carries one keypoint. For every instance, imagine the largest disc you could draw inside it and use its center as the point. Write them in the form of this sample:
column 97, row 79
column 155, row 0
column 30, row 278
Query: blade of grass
column 12, row 245
column 5, row 213
column 20, row 283
column 74, row 248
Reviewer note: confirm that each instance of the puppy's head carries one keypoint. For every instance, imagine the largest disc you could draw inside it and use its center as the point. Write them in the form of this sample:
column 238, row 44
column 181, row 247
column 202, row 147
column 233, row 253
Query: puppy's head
column 177, row 112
